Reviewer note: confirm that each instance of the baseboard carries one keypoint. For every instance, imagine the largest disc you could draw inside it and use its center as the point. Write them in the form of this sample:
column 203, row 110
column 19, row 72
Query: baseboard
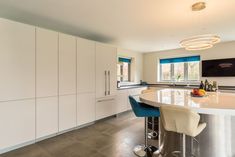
column 46, row 137
column 5, row 150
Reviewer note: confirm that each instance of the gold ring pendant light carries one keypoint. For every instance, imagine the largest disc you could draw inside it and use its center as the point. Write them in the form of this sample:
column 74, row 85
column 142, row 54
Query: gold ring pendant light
column 199, row 42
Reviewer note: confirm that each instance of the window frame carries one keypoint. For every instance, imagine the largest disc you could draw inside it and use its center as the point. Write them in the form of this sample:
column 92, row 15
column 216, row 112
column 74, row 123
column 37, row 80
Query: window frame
column 185, row 79
column 121, row 70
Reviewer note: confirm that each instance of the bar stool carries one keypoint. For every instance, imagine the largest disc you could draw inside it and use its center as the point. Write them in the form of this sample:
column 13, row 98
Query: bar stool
column 181, row 120
column 153, row 134
column 143, row 110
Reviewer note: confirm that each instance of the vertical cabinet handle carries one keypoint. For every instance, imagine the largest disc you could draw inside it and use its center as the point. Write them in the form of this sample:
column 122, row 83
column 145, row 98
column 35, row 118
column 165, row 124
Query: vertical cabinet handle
column 109, row 82
column 105, row 82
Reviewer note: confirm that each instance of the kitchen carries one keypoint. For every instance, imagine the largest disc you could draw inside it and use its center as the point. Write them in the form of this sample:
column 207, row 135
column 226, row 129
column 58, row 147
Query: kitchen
column 68, row 92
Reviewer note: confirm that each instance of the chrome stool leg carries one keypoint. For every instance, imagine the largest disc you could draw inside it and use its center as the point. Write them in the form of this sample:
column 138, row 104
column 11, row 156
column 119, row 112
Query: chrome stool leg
column 183, row 152
column 153, row 134
column 145, row 150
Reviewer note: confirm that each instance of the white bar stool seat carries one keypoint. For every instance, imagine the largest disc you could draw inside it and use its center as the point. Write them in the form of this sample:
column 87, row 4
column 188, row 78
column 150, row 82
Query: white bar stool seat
column 181, row 120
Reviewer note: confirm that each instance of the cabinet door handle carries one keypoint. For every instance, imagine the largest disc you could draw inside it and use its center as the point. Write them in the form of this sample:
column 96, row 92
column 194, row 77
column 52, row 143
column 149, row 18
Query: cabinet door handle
column 109, row 82
column 106, row 100
column 105, row 82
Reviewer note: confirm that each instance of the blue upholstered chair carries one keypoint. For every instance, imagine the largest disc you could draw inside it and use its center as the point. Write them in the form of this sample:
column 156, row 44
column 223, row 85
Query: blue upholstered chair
column 143, row 110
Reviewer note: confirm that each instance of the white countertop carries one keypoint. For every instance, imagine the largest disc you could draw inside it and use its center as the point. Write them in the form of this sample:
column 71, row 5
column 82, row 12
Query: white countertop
column 216, row 103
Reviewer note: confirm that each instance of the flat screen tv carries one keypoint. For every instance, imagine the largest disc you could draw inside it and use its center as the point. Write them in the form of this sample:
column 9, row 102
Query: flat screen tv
column 218, row 68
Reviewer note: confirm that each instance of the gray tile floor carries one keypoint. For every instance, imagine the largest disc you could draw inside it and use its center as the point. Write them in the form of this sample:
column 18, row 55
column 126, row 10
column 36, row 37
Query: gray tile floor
column 112, row 137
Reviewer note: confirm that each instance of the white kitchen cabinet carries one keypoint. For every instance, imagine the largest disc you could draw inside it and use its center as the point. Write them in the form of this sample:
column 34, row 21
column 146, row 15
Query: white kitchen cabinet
column 67, row 112
column 85, row 66
column 46, row 63
column 17, row 119
column 122, row 98
column 46, row 116
column 67, row 64
column 105, row 107
column 17, row 60
column 106, row 73
column 85, row 108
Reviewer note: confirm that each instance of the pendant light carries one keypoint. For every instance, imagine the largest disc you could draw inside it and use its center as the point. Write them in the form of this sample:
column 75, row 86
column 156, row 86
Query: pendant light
column 200, row 42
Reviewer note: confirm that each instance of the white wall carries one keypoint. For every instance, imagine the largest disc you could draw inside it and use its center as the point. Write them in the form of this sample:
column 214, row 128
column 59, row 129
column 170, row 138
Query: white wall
column 137, row 63
column 221, row 50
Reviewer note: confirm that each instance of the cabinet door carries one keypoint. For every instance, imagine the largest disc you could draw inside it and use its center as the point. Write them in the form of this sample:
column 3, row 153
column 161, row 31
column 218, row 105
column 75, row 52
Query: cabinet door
column 67, row 112
column 67, row 64
column 105, row 107
column 85, row 66
column 47, row 63
column 17, row 60
column 112, row 70
column 122, row 98
column 17, row 119
column 46, row 116
column 106, row 76
column 85, row 108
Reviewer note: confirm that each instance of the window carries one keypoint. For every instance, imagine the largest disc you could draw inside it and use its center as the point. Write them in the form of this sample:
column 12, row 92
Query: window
column 123, row 69
column 166, row 71
column 180, row 69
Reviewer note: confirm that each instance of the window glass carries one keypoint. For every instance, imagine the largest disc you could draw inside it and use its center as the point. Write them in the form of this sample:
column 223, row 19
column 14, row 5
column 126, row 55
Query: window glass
column 179, row 71
column 193, row 70
column 166, row 71
column 125, row 72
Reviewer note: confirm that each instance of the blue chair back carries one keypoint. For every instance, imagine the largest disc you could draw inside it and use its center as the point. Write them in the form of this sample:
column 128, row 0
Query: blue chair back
column 143, row 110
column 135, row 107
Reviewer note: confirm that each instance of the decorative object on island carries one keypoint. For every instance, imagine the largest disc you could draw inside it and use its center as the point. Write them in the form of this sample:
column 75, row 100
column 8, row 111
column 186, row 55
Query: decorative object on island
column 211, row 87
column 198, row 92
column 201, row 85
column 200, row 42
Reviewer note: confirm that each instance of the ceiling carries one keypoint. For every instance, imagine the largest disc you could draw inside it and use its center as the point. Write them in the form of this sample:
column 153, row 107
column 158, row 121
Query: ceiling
column 141, row 25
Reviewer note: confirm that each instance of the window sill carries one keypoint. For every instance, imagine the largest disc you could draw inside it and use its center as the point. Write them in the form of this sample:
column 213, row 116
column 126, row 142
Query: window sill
column 179, row 83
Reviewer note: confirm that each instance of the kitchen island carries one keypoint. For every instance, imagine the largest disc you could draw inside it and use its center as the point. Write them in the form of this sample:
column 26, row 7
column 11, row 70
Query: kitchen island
column 216, row 109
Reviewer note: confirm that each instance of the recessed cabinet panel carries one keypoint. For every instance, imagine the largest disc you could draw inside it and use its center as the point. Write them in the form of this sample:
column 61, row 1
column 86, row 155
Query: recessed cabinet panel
column 17, row 119
column 47, row 63
column 17, row 60
column 105, row 107
column 122, row 98
column 85, row 108
column 106, row 73
column 67, row 64
column 46, row 116
column 85, row 66
column 67, row 112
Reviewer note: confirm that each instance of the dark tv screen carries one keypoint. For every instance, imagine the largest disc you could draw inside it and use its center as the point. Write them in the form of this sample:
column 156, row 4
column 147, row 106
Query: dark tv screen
column 218, row 68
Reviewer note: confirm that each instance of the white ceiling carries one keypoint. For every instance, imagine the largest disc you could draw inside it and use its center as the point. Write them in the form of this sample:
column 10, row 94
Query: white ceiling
column 141, row 25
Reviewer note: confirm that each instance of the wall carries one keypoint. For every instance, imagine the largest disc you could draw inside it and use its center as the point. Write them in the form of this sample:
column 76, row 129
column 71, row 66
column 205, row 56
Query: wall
column 221, row 50
column 137, row 63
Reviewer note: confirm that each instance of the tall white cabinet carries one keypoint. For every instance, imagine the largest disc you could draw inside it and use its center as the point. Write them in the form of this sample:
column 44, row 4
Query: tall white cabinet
column 106, row 73
column 85, row 81
column 106, row 80
column 46, row 63
column 52, row 82
column 67, row 82
column 17, row 61
column 17, row 83
column 17, row 119
column 46, row 82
